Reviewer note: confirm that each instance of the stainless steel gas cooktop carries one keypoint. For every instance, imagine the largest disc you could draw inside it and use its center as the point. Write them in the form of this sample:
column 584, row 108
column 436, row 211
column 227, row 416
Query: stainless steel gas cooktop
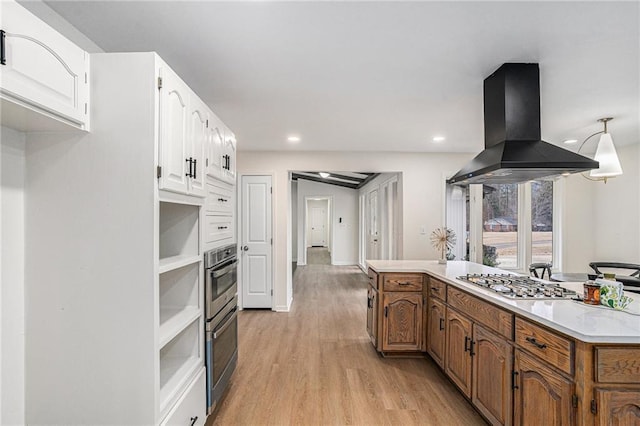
column 519, row 287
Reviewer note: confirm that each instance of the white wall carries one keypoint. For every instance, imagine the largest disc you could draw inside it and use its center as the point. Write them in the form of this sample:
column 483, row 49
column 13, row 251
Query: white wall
column 12, row 343
column 423, row 187
column 601, row 221
column 344, row 236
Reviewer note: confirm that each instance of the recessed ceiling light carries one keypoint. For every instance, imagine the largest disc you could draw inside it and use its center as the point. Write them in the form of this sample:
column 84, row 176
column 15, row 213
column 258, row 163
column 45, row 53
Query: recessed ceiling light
column 293, row 138
column 570, row 141
column 324, row 174
column 438, row 138
column 566, row 174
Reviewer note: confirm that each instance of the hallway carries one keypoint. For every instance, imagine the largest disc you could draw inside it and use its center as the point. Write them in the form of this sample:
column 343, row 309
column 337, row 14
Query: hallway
column 316, row 366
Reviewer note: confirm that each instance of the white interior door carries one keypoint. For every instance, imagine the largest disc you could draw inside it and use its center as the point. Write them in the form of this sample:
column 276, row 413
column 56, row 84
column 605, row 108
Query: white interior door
column 256, row 240
column 318, row 227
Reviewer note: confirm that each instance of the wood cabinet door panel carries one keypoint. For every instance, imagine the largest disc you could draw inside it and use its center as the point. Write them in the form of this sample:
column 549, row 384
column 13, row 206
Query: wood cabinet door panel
column 542, row 396
column 436, row 334
column 457, row 358
column 492, row 366
column 618, row 407
column 402, row 325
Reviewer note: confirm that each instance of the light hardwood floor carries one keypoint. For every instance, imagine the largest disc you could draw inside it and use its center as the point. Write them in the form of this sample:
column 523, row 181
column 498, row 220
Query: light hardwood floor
column 316, row 366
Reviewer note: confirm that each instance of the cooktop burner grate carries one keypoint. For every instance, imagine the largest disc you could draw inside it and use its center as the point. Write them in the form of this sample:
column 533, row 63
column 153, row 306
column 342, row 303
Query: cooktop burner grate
column 519, row 287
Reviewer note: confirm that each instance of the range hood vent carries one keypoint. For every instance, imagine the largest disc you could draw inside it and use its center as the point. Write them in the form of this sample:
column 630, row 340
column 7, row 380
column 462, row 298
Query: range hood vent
column 514, row 151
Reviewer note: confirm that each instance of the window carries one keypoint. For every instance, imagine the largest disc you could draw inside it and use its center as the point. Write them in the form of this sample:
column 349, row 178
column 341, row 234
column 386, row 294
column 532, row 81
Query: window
column 500, row 225
column 542, row 221
column 511, row 225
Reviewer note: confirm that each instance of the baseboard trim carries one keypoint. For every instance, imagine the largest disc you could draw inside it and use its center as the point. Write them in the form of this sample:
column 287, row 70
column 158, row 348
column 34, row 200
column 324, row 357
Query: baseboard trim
column 344, row 263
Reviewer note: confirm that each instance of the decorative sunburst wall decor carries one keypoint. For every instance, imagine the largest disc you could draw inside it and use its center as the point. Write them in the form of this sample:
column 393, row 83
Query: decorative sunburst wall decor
column 443, row 240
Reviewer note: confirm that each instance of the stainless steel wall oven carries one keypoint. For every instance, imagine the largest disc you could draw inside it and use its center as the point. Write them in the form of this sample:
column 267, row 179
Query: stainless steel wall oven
column 221, row 328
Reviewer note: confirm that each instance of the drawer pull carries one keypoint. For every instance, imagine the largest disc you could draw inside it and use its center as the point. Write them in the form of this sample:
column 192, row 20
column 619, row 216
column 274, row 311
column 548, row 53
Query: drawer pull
column 534, row 342
column 435, row 289
column 193, row 420
column 222, row 227
column 404, row 283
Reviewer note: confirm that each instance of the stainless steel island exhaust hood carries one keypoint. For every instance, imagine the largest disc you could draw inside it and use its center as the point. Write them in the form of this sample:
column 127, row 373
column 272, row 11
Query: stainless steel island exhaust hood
column 514, row 151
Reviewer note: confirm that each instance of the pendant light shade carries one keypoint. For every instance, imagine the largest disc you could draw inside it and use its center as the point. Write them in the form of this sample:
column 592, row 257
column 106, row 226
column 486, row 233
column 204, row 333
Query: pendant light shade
column 607, row 156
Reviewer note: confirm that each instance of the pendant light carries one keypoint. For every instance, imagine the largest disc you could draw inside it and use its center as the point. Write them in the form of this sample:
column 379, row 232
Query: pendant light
column 606, row 155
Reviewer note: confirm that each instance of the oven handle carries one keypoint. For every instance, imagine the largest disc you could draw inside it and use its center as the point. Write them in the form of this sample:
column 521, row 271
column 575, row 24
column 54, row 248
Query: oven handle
column 217, row 273
column 226, row 325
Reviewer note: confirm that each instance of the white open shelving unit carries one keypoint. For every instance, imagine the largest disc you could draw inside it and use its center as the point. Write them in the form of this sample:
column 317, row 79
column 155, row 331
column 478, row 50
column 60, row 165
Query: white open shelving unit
column 180, row 304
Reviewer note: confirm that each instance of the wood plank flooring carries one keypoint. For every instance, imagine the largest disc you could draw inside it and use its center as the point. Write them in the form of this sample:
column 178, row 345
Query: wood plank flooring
column 316, row 366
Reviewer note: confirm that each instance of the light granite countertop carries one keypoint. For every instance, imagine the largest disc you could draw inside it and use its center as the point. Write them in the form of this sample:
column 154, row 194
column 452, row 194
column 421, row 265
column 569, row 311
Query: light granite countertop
column 592, row 324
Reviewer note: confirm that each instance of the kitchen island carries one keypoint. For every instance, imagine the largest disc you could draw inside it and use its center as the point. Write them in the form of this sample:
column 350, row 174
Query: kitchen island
column 543, row 361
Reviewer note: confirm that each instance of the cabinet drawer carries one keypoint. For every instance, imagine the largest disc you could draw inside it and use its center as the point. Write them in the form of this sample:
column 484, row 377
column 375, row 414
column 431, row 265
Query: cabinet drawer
column 218, row 228
column 192, row 404
column 486, row 314
column 219, row 200
column 402, row 282
column 547, row 345
column 373, row 278
column 437, row 288
column 618, row 365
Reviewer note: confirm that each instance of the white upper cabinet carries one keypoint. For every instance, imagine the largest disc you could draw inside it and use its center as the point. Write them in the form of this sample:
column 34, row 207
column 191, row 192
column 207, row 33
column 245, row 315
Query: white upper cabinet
column 214, row 148
column 183, row 132
column 199, row 132
column 174, row 129
column 43, row 75
column 229, row 157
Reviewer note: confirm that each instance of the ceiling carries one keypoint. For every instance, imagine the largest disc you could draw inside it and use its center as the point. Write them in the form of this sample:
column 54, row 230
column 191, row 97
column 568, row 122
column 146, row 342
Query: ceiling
column 382, row 76
column 352, row 180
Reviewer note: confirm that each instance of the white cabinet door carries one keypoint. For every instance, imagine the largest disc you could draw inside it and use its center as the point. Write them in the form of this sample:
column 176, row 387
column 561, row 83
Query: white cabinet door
column 215, row 145
column 229, row 157
column 198, row 133
column 43, row 71
column 174, row 131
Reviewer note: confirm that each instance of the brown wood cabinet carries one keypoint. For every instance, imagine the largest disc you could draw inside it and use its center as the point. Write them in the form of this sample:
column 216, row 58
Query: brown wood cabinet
column 542, row 396
column 436, row 330
column 513, row 369
column 402, row 321
column 372, row 307
column 458, row 361
column 618, row 407
column 492, row 376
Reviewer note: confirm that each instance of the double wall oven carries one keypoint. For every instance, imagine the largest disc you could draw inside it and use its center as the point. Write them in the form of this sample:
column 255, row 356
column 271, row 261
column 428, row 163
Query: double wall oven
column 221, row 301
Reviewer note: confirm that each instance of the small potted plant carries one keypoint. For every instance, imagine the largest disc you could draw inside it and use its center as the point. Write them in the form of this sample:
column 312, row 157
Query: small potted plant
column 443, row 240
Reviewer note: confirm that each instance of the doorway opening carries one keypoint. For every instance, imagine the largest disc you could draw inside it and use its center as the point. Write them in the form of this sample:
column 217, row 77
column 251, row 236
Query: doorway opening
column 318, row 231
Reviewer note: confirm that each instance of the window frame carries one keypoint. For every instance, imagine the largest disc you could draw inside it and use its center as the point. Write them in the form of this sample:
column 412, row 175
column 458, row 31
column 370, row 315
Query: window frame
column 525, row 250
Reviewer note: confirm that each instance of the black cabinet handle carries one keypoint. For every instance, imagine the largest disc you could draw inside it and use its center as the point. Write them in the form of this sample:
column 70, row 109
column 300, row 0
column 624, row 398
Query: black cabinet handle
column 386, row 311
column 195, row 165
column 466, row 343
column 514, row 380
column 3, row 56
column 190, row 161
column 193, row 420
column 222, row 227
column 404, row 283
column 435, row 289
column 471, row 345
column 441, row 324
column 534, row 342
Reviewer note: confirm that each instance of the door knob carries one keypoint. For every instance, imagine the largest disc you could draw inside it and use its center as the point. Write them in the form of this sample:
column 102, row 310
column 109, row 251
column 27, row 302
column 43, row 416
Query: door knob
column 245, row 248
